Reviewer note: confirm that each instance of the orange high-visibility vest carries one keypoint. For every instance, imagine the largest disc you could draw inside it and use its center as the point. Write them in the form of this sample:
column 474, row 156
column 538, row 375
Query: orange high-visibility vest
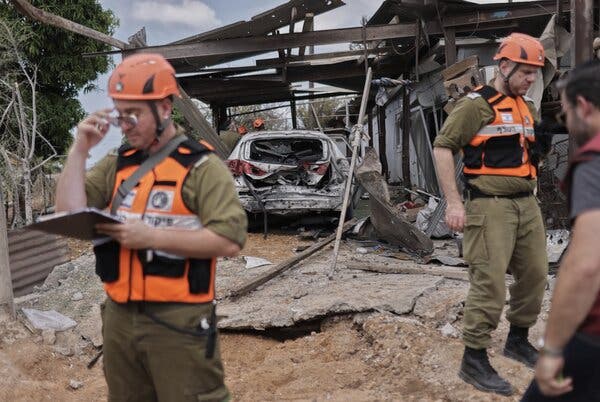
column 155, row 275
column 502, row 146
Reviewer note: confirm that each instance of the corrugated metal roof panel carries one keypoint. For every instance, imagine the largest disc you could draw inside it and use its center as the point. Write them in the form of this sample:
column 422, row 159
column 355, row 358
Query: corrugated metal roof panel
column 32, row 256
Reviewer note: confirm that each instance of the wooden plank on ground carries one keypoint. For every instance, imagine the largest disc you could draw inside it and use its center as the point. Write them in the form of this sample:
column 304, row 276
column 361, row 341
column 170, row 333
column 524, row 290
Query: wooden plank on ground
column 252, row 284
column 449, row 273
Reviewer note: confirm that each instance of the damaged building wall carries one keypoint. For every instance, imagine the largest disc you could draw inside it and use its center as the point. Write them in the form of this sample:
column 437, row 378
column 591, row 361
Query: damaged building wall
column 427, row 97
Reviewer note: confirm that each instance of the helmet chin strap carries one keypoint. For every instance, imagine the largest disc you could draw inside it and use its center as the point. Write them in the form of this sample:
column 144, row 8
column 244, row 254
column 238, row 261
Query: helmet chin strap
column 506, row 78
column 161, row 124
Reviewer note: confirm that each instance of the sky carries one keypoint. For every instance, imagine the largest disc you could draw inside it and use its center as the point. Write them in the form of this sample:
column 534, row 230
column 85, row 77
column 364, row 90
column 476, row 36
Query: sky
column 169, row 20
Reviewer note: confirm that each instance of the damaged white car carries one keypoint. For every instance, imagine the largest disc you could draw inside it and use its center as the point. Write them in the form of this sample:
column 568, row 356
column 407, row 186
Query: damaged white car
column 289, row 172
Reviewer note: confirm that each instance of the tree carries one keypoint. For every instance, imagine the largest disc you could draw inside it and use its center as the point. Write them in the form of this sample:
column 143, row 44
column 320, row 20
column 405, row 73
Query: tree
column 19, row 121
column 330, row 111
column 61, row 71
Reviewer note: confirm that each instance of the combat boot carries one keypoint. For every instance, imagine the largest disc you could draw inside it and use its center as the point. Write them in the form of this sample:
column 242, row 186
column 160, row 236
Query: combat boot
column 517, row 346
column 476, row 370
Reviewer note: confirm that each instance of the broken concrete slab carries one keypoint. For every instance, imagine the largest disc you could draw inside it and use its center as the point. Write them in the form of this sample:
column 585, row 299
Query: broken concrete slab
column 49, row 319
column 306, row 294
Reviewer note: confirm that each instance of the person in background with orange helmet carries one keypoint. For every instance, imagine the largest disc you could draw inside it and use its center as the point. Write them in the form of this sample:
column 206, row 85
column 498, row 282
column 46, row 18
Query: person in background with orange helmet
column 159, row 266
column 258, row 124
column 493, row 126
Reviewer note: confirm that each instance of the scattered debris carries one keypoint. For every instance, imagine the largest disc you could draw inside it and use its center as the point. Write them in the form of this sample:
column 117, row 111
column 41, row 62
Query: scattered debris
column 49, row 336
column 388, row 223
column 253, row 262
column 448, row 330
column 279, row 268
column 448, row 260
column 75, row 384
column 77, row 296
column 556, row 244
column 425, row 218
column 406, row 268
column 48, row 319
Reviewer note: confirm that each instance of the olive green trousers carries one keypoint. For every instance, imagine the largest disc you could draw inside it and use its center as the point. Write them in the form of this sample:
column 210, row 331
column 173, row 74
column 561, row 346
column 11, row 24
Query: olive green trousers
column 147, row 362
column 503, row 235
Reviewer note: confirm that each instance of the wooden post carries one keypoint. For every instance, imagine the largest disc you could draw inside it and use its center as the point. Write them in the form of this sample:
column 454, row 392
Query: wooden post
column 6, row 290
column 382, row 140
column 450, row 46
column 356, row 142
column 406, row 137
column 294, row 114
column 582, row 15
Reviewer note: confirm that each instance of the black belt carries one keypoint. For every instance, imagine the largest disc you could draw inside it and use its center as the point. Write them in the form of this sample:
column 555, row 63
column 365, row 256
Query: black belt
column 472, row 193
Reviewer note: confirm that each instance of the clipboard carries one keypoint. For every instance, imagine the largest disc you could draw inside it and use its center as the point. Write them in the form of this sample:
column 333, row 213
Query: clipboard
column 77, row 224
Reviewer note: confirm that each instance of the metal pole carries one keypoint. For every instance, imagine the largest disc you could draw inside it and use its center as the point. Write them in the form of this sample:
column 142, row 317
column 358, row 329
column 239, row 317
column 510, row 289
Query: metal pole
column 358, row 131
column 582, row 12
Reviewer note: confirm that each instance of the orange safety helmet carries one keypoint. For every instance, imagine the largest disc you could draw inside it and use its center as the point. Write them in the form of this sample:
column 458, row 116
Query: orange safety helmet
column 522, row 49
column 258, row 123
column 242, row 130
column 143, row 76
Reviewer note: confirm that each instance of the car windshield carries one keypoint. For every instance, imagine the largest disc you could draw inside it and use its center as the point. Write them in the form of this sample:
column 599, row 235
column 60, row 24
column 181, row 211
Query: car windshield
column 286, row 150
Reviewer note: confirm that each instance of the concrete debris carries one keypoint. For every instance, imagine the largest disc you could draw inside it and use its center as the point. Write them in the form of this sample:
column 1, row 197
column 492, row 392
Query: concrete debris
column 448, row 260
column 64, row 350
column 253, row 262
column 77, row 296
column 74, row 384
column 448, row 330
column 556, row 244
column 48, row 319
column 49, row 336
column 425, row 218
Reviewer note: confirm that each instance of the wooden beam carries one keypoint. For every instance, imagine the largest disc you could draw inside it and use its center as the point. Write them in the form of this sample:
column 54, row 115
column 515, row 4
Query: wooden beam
column 275, row 42
column 293, row 14
column 406, row 268
column 309, row 25
column 196, row 120
column 252, row 284
column 25, row 8
column 276, row 62
column 582, row 28
column 450, row 46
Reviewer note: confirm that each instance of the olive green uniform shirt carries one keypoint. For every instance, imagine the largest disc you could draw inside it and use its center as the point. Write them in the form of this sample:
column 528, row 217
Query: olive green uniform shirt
column 208, row 190
column 465, row 120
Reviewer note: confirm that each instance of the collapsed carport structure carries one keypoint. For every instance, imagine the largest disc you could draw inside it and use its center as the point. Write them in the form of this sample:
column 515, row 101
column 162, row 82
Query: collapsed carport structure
column 395, row 39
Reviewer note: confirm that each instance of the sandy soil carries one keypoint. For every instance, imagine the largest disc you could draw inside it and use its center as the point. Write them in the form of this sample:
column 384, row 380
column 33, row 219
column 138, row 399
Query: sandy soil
column 365, row 357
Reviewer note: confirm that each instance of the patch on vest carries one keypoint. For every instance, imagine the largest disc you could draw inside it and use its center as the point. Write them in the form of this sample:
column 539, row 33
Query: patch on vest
column 161, row 200
column 507, row 117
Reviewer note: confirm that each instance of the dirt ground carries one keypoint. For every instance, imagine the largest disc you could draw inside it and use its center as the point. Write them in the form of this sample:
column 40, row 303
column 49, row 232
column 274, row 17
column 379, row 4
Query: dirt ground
column 362, row 357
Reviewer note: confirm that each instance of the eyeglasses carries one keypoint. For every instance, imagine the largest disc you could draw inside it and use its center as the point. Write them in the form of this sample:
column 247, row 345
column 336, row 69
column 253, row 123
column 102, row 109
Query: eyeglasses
column 561, row 117
column 116, row 119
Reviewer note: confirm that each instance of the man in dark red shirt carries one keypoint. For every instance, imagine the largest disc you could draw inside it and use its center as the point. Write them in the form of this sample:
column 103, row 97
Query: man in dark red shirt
column 568, row 368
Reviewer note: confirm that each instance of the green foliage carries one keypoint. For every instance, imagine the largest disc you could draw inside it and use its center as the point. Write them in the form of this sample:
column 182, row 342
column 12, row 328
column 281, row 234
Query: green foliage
column 62, row 71
column 331, row 113
column 275, row 119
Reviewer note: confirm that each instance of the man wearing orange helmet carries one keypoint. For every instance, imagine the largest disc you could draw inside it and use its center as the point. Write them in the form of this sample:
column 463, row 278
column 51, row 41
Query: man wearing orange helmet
column 493, row 126
column 258, row 124
column 180, row 212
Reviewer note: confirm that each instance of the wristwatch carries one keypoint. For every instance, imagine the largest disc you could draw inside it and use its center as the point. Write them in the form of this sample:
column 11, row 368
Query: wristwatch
column 546, row 350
